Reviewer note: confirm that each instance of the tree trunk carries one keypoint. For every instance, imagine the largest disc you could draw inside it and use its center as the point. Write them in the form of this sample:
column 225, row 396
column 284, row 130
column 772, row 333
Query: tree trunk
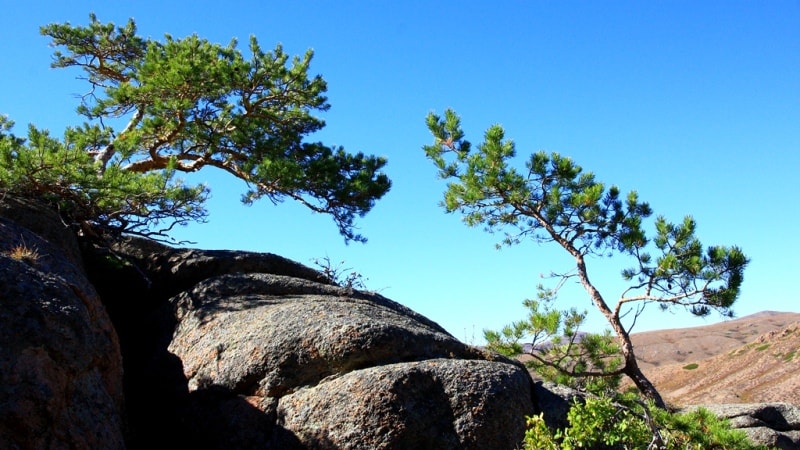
column 633, row 372
column 631, row 368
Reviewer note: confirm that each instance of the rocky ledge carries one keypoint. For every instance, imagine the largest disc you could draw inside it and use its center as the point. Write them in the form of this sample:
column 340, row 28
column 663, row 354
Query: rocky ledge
column 142, row 345
column 147, row 346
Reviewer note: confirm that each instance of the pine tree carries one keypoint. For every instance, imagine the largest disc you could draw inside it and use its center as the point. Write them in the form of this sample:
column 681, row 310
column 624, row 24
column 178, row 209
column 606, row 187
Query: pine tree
column 555, row 201
column 184, row 105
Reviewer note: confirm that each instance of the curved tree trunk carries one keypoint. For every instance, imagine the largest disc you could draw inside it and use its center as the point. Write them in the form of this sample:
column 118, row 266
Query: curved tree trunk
column 631, row 369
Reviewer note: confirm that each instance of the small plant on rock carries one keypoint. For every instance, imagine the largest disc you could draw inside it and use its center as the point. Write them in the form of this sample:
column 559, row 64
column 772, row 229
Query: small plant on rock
column 340, row 275
column 25, row 253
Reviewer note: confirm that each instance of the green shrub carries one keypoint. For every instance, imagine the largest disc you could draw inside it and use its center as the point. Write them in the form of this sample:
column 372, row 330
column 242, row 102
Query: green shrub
column 625, row 422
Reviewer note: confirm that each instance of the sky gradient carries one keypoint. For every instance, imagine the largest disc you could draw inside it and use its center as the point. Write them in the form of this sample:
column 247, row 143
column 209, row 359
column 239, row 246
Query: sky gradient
column 695, row 105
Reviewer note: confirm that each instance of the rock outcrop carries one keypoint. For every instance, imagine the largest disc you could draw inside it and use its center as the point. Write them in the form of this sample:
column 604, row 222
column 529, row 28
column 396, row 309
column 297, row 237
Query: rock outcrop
column 312, row 365
column 60, row 363
column 222, row 349
column 142, row 345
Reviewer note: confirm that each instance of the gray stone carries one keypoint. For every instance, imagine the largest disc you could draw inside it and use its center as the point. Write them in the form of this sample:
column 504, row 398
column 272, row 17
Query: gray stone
column 263, row 343
column 294, row 333
column 436, row 403
column 60, row 362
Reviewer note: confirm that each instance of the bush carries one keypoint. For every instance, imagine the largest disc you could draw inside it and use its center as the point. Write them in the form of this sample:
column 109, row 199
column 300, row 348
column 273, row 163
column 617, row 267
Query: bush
column 625, row 422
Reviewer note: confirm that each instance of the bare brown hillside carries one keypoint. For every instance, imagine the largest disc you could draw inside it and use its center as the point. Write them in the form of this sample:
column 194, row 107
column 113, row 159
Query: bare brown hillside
column 752, row 359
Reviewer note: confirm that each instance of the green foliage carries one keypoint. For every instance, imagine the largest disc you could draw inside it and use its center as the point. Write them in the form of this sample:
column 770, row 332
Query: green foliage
column 560, row 352
column 63, row 174
column 627, row 423
column 701, row 429
column 683, row 274
column 691, row 366
column 600, row 421
column 552, row 200
column 185, row 104
column 538, row 436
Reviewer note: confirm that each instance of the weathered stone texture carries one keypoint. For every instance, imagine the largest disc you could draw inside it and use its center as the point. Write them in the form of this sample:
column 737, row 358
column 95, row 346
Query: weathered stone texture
column 439, row 403
column 60, row 363
column 225, row 349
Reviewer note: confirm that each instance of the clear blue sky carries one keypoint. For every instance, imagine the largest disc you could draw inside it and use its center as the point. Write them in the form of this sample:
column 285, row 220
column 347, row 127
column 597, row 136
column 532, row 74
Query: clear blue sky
column 694, row 104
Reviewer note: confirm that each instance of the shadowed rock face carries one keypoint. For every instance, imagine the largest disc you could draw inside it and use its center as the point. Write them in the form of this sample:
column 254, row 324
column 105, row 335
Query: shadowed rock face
column 60, row 362
column 221, row 349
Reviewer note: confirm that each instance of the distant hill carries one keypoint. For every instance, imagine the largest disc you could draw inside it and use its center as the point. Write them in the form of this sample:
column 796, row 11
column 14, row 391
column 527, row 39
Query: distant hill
column 752, row 359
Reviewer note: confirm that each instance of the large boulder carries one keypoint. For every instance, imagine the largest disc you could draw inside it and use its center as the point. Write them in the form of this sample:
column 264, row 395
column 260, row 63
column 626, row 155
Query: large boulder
column 60, row 362
column 348, row 369
column 434, row 403
column 264, row 352
column 282, row 333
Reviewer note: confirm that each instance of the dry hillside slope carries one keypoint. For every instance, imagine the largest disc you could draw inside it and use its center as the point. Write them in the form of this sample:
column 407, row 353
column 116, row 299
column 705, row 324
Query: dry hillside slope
column 752, row 359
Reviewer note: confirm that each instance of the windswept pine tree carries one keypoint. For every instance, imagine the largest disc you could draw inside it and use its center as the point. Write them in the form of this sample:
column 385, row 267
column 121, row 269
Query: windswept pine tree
column 554, row 201
column 184, row 105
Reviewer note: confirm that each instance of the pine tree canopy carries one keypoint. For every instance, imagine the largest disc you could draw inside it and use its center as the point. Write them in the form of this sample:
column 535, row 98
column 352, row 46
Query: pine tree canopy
column 183, row 105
